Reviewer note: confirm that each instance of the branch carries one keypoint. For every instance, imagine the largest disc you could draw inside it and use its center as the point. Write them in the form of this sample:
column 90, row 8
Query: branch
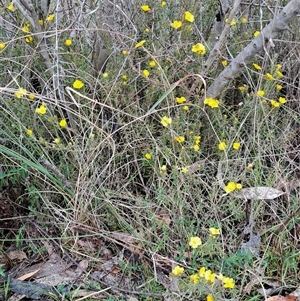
column 215, row 53
column 279, row 24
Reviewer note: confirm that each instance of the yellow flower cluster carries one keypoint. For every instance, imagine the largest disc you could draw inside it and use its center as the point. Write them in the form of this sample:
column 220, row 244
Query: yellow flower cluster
column 188, row 16
column 196, row 143
column 276, row 104
column 42, row 109
column 232, row 186
column 210, row 277
column 179, row 139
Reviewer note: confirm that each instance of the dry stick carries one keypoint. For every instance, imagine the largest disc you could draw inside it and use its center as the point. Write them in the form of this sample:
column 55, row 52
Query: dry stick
column 50, row 167
column 279, row 24
column 25, row 6
column 215, row 52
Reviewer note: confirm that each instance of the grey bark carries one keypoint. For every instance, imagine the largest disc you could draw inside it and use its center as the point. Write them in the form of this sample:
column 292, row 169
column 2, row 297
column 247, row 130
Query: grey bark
column 276, row 26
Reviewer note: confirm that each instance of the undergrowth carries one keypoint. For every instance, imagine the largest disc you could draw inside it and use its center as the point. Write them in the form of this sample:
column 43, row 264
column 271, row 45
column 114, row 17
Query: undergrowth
column 134, row 149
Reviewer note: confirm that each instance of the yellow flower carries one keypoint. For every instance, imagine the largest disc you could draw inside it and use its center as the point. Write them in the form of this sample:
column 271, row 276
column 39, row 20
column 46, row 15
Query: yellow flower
column 228, row 282
column 63, row 123
column 243, row 88
column 68, row 42
column 230, row 187
column 189, row 17
column 29, row 39
column 269, row 76
column 163, row 3
column 209, row 276
column 50, row 17
column 124, row 52
column 140, row 44
column 78, row 84
column 29, row 132
column 263, row 101
column 274, row 103
column 56, row 140
column 176, row 24
column 152, row 63
column 256, row 33
column 282, row 100
column 201, row 272
column 196, row 147
column 278, row 87
column 209, row 298
column 194, row 278
column 181, row 99
column 148, row 156
column 224, row 63
column 184, row 169
column 26, row 28
column 11, row 7
column 105, row 75
column 147, row 30
column 213, row 103
column 260, row 93
column 177, row 271
column 179, row 139
column 145, row 8
column 31, row 96
column 163, row 168
column 2, row 46
column 222, row 145
column 145, row 73
column 197, row 139
column 236, row 145
column 195, row 242
column 256, row 66
column 279, row 74
column 185, row 108
column 21, row 92
column 238, row 186
column 199, row 48
column 214, row 231
column 41, row 22
column 42, row 110
column 233, row 22
column 244, row 20
column 165, row 121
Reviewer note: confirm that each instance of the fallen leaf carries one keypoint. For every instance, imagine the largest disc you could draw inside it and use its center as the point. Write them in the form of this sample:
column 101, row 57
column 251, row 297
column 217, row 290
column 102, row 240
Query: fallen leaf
column 252, row 246
column 258, row 193
column 29, row 289
column 163, row 219
column 282, row 298
column 19, row 255
column 28, row 275
column 124, row 237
